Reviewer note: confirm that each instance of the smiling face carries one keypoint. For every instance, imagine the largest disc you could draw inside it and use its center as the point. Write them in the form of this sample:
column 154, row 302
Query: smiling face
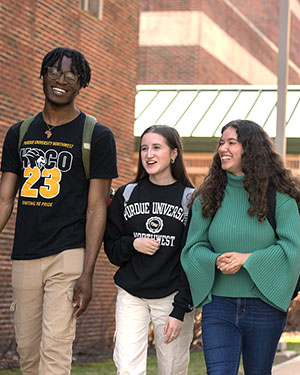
column 156, row 158
column 57, row 91
column 230, row 152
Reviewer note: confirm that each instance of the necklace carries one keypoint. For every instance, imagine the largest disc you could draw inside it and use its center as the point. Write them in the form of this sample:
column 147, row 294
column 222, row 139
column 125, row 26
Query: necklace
column 48, row 132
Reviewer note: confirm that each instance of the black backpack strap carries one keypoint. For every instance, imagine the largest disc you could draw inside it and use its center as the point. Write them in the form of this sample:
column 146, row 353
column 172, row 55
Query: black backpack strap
column 271, row 206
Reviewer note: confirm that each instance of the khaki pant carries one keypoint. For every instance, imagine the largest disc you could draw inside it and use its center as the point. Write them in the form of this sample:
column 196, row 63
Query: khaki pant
column 43, row 311
column 133, row 316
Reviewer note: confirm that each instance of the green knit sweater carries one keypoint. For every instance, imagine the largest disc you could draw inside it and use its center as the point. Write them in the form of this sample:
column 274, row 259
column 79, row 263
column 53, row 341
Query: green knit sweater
column 270, row 273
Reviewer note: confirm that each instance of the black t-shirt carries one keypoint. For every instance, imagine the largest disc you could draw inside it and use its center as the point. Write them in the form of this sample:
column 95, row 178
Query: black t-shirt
column 53, row 187
column 153, row 211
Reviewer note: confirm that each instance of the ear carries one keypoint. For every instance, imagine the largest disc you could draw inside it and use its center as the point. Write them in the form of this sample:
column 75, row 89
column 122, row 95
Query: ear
column 174, row 153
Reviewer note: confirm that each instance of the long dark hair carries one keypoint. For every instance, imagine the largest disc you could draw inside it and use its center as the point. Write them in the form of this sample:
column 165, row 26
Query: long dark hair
column 261, row 165
column 173, row 140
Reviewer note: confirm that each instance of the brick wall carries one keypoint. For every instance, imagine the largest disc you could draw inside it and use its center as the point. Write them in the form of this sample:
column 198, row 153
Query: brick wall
column 253, row 25
column 154, row 5
column 28, row 30
column 182, row 65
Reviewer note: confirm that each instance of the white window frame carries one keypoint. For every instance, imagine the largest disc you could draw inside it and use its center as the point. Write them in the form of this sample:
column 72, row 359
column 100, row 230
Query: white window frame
column 87, row 9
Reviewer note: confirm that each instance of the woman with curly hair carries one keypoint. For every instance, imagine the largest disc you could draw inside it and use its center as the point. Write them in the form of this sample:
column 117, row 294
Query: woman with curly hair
column 241, row 270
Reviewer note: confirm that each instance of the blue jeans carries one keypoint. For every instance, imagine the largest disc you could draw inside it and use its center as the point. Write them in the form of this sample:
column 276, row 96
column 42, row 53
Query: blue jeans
column 235, row 326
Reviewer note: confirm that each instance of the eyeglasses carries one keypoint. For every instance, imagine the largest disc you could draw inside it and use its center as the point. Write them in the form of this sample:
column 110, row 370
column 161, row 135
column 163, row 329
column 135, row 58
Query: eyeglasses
column 69, row 77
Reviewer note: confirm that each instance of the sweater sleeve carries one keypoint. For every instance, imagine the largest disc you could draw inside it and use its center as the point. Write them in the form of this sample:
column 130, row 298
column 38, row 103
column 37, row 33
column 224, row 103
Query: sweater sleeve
column 183, row 300
column 275, row 269
column 118, row 245
column 198, row 258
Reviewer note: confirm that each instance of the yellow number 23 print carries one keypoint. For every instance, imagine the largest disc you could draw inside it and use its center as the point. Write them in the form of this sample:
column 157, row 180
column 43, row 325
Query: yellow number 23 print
column 51, row 186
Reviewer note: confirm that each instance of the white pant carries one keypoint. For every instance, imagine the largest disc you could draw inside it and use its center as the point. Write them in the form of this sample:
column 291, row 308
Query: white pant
column 133, row 316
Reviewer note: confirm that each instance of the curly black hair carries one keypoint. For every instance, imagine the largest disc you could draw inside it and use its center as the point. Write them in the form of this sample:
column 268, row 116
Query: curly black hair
column 261, row 164
column 79, row 63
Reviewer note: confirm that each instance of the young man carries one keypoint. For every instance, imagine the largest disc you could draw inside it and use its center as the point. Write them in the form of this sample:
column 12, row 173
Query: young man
column 60, row 218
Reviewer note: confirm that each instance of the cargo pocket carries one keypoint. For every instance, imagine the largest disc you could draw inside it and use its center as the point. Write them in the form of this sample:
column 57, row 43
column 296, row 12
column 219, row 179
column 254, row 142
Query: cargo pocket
column 65, row 326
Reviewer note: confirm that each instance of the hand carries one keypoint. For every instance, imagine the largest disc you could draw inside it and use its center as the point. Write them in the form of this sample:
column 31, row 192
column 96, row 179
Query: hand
column 82, row 295
column 172, row 329
column 146, row 246
column 231, row 263
column 222, row 261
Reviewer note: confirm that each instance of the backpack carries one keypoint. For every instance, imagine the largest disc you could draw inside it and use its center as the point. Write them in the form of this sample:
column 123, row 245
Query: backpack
column 271, row 204
column 88, row 128
column 184, row 202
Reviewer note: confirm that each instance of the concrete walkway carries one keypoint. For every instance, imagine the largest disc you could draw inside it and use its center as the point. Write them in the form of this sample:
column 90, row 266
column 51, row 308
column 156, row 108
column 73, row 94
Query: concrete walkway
column 289, row 367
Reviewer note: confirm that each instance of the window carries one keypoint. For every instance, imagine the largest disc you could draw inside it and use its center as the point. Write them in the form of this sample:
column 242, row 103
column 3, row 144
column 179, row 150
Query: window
column 94, row 7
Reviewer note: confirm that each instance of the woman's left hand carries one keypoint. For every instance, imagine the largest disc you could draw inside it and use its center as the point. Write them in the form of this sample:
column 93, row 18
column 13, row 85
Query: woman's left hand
column 172, row 329
column 230, row 263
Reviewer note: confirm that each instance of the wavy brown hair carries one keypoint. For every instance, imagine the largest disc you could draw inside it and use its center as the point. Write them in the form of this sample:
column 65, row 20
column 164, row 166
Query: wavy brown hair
column 173, row 140
column 261, row 165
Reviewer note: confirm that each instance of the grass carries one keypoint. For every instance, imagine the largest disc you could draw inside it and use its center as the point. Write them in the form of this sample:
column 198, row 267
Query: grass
column 293, row 346
column 196, row 367
column 107, row 367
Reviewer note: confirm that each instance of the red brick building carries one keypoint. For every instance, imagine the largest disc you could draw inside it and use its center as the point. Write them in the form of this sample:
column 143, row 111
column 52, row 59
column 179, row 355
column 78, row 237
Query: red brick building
column 214, row 42
column 106, row 31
